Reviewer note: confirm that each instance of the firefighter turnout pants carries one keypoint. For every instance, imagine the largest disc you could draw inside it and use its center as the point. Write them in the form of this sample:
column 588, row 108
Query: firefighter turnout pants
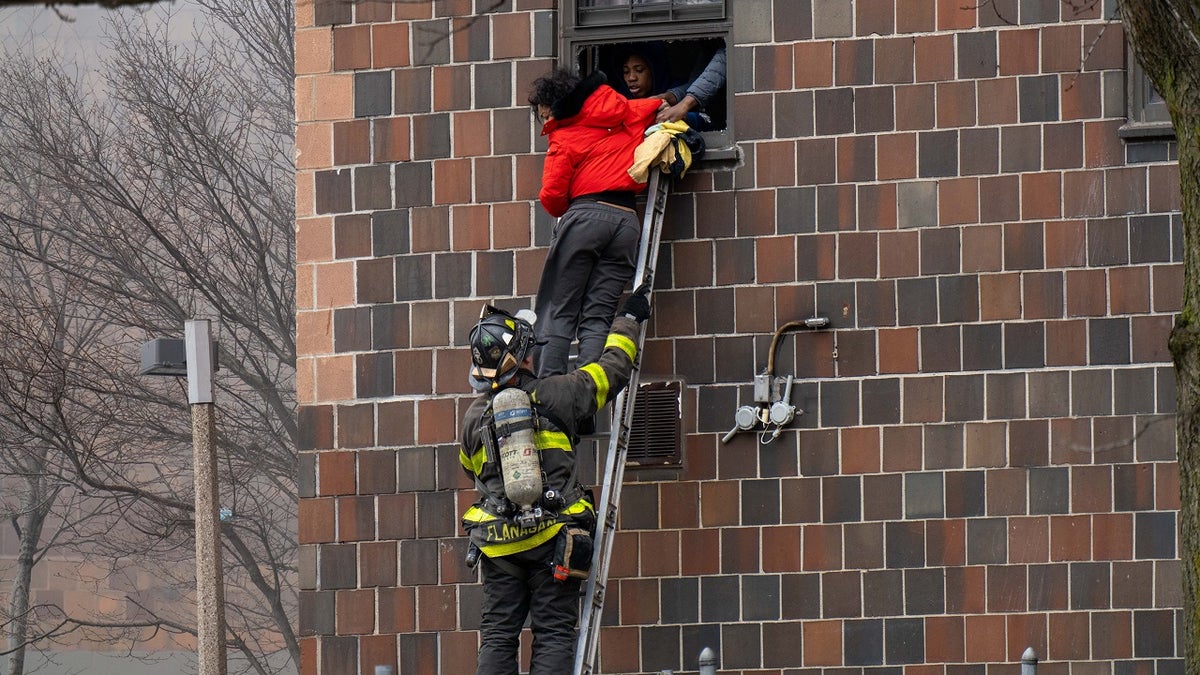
column 552, row 607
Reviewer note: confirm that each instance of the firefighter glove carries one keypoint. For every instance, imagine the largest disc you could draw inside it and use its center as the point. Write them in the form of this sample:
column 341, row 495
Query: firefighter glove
column 637, row 307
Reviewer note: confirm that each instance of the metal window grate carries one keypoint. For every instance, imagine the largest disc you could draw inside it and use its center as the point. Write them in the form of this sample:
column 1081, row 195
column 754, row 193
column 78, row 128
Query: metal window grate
column 623, row 12
column 654, row 434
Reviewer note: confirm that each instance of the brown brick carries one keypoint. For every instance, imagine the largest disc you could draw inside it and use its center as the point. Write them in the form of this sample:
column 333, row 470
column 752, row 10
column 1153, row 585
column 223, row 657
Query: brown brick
column 1025, row 631
column 1029, row 539
column 874, row 17
column 1112, row 537
column 1086, row 292
column 1061, row 48
column 1066, row 244
column 1081, row 96
column 1167, row 282
column 946, row 542
column 351, row 47
column 934, row 58
column 984, row 445
column 985, row 650
column 894, row 60
column 877, row 206
column 355, row 612
column 1164, row 188
column 982, row 250
column 1063, row 146
column 1111, row 635
column 1070, row 538
column 903, row 254
column 1000, row 198
column 958, row 201
column 1129, row 290
column 1001, row 97
column 472, row 134
column 317, row 524
column 1125, row 190
column 953, row 15
column 1066, row 343
column 376, row 650
column 335, row 473
column 1006, row 590
column 389, row 46
column 897, row 156
column 955, row 104
column 898, row 350
column 822, row 643
column 915, row 107
column 1019, row 51
column 817, row 58
column 965, row 589
column 918, row 16
column 902, row 448
column 452, row 181
column 945, row 639
column 1101, row 145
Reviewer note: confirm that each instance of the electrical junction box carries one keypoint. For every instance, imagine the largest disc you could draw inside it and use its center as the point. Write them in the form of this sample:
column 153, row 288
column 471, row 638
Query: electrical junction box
column 762, row 388
column 168, row 356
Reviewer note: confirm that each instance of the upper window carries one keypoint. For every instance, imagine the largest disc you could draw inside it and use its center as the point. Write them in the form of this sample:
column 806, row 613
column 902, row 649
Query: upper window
column 674, row 49
column 627, row 12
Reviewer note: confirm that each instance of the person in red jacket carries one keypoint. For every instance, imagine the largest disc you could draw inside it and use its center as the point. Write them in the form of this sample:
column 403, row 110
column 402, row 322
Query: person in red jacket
column 592, row 134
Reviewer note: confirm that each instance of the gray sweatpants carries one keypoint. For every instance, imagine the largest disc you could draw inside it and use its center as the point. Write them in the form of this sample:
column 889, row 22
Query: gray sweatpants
column 590, row 261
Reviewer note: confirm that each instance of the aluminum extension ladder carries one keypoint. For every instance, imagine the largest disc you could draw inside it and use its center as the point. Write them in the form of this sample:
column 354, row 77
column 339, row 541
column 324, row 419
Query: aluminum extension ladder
column 618, row 441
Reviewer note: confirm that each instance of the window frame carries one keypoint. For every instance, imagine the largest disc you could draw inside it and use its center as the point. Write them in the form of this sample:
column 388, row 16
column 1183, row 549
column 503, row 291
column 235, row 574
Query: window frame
column 1146, row 114
column 574, row 39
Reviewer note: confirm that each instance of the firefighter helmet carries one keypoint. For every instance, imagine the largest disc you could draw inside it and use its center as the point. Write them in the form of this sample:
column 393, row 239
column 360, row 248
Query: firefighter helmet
column 499, row 344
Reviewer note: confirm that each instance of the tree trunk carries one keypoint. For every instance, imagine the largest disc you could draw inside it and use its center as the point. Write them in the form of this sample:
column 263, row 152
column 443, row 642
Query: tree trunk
column 1185, row 349
column 34, row 507
column 1163, row 34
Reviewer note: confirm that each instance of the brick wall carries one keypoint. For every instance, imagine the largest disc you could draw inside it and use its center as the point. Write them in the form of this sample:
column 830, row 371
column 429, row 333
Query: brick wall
column 986, row 458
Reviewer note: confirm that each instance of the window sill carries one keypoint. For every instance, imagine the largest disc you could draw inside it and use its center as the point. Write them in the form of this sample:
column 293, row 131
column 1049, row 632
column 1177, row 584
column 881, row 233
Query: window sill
column 1140, row 131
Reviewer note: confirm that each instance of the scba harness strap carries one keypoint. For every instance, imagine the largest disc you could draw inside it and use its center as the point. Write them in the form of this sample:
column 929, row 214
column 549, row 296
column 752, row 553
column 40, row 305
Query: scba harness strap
column 493, row 427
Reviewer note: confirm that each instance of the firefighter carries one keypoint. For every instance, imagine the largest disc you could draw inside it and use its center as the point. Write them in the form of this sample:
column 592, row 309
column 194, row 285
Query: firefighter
column 534, row 553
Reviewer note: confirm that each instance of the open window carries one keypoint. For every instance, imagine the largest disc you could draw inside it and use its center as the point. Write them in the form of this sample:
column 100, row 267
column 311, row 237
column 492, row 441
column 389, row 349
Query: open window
column 685, row 43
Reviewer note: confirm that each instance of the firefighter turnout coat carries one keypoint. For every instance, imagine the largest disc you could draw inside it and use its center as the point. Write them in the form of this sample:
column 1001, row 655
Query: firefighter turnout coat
column 560, row 402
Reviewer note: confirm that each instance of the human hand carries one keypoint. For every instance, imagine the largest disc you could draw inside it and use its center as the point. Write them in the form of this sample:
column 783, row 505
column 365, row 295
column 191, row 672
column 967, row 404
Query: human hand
column 676, row 112
column 637, row 307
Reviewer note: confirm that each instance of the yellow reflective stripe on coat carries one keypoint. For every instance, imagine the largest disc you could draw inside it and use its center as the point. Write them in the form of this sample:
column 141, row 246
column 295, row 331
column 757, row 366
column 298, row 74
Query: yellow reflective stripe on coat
column 551, row 440
column 477, row 515
column 623, row 343
column 601, row 380
column 475, row 462
column 533, row 541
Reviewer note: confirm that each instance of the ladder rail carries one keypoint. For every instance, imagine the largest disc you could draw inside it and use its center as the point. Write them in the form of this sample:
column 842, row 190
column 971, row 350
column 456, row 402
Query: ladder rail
column 618, row 445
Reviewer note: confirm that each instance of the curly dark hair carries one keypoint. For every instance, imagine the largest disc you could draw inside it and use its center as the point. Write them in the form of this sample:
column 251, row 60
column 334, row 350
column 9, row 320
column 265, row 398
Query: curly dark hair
column 551, row 89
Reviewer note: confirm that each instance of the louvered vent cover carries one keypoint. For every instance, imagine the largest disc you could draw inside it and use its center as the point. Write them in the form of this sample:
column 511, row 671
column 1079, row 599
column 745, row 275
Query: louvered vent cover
column 654, row 433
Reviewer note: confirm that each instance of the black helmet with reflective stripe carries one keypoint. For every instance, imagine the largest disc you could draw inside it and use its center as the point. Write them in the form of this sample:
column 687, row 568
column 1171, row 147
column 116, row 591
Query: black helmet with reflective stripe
column 499, row 344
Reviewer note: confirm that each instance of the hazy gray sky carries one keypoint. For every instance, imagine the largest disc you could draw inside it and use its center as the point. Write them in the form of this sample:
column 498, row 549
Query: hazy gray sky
column 77, row 31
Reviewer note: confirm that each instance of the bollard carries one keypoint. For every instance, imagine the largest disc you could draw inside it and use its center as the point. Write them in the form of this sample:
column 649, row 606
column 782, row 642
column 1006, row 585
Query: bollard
column 708, row 662
column 383, row 670
column 1029, row 661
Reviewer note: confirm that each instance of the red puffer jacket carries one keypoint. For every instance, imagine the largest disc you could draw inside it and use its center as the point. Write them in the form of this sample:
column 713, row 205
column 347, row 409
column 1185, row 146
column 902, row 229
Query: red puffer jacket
column 593, row 133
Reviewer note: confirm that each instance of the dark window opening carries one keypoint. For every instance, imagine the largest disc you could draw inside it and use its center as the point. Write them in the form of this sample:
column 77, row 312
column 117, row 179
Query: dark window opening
column 677, row 67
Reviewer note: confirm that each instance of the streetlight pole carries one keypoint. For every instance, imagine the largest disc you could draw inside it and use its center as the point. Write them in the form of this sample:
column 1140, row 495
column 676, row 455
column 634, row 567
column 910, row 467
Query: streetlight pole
column 210, row 587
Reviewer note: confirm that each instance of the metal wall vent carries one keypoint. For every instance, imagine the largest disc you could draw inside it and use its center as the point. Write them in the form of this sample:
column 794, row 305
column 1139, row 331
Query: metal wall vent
column 654, row 434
